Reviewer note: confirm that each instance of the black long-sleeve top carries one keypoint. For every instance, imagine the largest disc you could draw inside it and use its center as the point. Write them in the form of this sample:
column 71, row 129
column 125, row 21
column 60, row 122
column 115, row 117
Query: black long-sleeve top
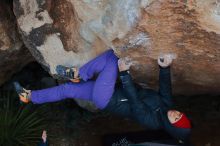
column 146, row 106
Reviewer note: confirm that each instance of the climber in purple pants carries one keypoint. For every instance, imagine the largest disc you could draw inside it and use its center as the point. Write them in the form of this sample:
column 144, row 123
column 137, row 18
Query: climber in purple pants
column 151, row 108
column 98, row 91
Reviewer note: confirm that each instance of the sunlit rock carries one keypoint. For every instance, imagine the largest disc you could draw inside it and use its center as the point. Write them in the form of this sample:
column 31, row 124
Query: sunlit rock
column 71, row 32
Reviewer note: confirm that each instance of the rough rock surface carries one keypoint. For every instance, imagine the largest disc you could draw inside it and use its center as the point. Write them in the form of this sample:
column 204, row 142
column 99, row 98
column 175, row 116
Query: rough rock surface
column 71, row 32
column 13, row 54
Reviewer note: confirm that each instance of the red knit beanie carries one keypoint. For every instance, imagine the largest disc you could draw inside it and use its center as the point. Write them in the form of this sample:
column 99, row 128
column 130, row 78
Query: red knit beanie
column 183, row 122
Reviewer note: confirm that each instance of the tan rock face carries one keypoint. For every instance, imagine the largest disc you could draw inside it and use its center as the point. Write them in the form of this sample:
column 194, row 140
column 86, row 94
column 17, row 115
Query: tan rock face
column 13, row 54
column 71, row 32
column 177, row 28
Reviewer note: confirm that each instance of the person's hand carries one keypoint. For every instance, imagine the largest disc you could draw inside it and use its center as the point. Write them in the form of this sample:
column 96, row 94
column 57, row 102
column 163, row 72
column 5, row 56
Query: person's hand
column 165, row 60
column 124, row 64
column 44, row 136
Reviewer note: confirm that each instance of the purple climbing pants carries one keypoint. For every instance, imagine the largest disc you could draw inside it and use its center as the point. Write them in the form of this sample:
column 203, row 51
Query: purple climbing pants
column 99, row 91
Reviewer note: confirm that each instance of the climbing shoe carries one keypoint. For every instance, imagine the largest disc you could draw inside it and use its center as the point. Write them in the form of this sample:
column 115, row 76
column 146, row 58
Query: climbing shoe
column 68, row 73
column 24, row 95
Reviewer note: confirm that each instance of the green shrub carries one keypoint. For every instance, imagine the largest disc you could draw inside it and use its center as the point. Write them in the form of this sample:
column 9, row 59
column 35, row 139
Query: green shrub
column 20, row 125
column 20, row 128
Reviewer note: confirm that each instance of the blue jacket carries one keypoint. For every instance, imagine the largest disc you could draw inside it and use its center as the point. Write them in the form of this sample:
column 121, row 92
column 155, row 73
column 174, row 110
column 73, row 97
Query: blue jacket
column 43, row 143
column 147, row 106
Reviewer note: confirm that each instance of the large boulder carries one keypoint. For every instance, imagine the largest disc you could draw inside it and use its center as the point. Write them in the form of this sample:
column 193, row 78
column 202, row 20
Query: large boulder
column 71, row 32
column 13, row 54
